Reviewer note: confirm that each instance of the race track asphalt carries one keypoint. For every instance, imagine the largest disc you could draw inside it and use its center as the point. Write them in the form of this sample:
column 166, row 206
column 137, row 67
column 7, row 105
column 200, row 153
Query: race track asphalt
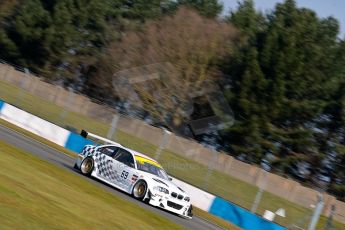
column 64, row 161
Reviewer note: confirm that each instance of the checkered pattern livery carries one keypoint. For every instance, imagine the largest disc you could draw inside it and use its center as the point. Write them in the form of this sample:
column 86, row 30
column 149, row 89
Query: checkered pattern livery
column 104, row 167
column 102, row 163
column 88, row 151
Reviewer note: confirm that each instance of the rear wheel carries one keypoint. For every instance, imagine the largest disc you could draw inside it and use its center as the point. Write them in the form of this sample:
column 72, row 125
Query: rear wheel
column 86, row 166
column 139, row 190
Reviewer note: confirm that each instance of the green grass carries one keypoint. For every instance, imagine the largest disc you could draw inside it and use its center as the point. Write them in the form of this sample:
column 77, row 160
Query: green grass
column 35, row 194
column 218, row 183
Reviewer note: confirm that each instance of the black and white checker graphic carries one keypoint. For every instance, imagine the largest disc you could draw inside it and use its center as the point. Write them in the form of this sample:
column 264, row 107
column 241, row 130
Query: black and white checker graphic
column 88, row 151
column 104, row 167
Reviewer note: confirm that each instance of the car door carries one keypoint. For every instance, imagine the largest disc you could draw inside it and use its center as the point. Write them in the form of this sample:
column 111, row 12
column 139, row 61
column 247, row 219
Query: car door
column 104, row 162
column 125, row 167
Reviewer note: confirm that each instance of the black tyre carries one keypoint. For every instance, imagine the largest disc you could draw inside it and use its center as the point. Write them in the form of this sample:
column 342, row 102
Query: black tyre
column 139, row 190
column 87, row 166
column 189, row 213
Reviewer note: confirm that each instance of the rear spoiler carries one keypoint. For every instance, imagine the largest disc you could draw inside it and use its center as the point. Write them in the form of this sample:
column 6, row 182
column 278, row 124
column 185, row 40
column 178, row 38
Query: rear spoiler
column 92, row 136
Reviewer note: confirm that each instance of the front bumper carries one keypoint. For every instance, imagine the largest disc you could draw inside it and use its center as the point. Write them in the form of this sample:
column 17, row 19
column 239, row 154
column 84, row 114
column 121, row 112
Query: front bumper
column 170, row 204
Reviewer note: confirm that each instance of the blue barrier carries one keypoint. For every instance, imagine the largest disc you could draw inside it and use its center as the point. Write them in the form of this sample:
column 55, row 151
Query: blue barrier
column 1, row 104
column 76, row 142
column 240, row 216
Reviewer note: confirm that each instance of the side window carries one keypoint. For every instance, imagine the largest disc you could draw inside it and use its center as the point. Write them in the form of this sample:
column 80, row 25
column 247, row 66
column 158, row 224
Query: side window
column 125, row 157
column 109, row 150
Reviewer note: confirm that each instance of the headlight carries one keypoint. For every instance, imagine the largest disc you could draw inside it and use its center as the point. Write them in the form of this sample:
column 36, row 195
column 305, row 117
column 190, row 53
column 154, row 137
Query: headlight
column 161, row 189
column 187, row 199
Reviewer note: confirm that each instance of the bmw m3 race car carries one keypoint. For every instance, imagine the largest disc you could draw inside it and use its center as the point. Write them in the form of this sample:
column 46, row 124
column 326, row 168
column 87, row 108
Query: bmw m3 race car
column 134, row 173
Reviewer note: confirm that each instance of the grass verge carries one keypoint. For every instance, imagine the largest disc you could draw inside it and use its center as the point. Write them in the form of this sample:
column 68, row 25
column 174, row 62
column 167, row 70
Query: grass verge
column 218, row 183
column 35, row 194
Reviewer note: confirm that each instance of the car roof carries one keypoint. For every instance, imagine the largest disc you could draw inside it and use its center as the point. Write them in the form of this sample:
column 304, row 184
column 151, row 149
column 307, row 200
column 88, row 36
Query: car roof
column 143, row 155
column 135, row 153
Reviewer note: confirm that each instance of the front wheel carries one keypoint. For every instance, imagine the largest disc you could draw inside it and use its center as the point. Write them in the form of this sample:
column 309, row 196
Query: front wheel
column 86, row 166
column 189, row 213
column 139, row 190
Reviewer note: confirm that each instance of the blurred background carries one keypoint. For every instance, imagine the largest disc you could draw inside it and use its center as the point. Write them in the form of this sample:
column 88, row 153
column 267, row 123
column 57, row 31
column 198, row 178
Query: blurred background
column 261, row 87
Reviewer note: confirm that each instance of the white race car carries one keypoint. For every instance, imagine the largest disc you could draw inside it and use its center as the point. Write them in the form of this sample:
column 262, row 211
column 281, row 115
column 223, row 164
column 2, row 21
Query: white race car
column 134, row 173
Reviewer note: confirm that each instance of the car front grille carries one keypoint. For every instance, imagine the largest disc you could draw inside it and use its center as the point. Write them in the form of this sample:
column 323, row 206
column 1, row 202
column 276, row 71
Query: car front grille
column 174, row 205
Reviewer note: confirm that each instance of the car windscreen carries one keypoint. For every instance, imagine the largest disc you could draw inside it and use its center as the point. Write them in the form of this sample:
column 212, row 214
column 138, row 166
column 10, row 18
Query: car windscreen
column 146, row 166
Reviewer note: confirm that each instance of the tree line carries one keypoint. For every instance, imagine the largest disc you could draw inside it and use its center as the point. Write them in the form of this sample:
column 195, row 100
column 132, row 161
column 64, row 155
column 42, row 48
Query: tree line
column 282, row 72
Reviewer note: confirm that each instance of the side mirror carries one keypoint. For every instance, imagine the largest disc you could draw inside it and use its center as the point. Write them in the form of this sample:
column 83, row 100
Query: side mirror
column 83, row 133
column 170, row 178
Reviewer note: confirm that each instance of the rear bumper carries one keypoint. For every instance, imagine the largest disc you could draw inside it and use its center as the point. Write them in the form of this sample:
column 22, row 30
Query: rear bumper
column 78, row 161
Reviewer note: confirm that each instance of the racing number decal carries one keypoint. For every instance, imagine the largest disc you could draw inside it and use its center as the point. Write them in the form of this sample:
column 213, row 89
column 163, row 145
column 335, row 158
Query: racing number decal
column 124, row 174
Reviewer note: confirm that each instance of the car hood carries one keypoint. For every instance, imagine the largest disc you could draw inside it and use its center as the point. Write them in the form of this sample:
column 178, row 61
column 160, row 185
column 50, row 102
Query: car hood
column 157, row 181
